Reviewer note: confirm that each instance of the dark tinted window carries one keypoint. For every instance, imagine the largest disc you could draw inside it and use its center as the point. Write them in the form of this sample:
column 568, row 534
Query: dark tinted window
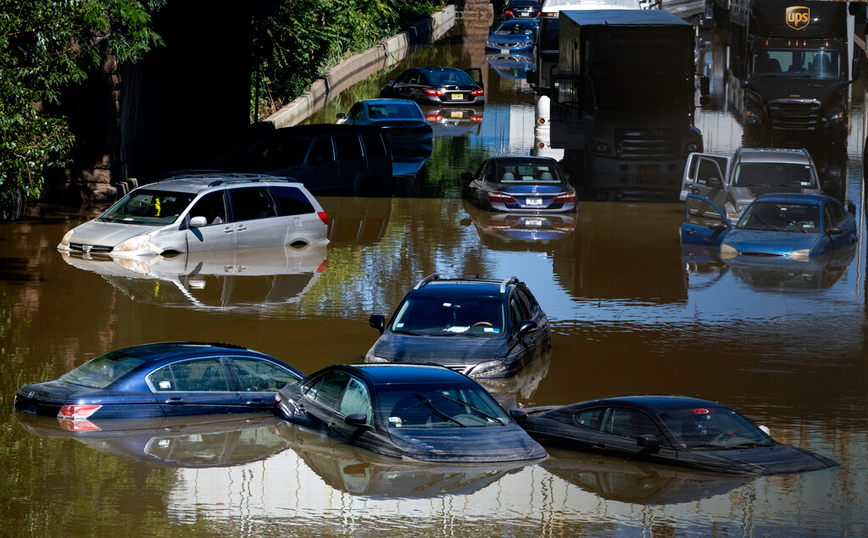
column 212, row 206
column 322, row 152
column 292, row 201
column 197, row 375
column 327, row 388
column 628, row 423
column 252, row 203
column 835, row 214
column 261, row 376
column 374, row 144
column 590, row 418
column 349, row 147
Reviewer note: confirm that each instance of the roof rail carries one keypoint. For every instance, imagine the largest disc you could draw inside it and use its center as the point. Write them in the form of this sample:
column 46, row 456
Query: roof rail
column 233, row 178
column 507, row 281
column 426, row 280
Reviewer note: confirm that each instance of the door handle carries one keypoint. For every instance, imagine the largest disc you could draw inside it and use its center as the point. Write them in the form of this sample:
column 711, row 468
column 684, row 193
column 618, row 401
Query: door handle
column 332, row 426
column 175, row 400
column 598, row 447
column 240, row 228
column 690, row 231
column 228, row 230
column 254, row 401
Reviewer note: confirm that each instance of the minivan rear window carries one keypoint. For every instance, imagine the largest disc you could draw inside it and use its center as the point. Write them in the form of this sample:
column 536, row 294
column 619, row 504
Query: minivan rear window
column 292, row 201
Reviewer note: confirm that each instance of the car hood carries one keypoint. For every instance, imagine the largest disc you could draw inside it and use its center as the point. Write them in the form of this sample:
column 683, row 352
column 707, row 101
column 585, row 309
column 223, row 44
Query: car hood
column 96, row 232
column 469, row 445
column 446, row 350
column 775, row 459
column 769, row 242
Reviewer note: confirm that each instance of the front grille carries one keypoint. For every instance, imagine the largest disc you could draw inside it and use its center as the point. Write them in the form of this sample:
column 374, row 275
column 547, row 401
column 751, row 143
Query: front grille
column 647, row 143
column 93, row 249
column 794, row 114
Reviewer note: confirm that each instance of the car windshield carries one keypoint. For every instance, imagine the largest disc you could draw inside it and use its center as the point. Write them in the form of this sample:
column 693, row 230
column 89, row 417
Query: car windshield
column 393, row 111
column 102, row 371
column 713, row 428
column 780, row 217
column 515, row 28
column 775, row 175
column 438, row 406
column 526, row 173
column 450, row 316
column 449, row 76
column 148, row 206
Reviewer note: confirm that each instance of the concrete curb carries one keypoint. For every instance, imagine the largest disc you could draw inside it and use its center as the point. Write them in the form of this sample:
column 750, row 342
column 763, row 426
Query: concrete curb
column 361, row 66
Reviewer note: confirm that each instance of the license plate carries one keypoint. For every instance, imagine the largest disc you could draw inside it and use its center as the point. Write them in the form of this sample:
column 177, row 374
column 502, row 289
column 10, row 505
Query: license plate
column 457, row 96
column 457, row 115
column 533, row 223
column 533, row 201
column 504, row 51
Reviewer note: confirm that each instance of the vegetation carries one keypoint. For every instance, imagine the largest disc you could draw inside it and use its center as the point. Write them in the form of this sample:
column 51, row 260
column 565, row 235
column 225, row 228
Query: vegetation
column 306, row 37
column 44, row 47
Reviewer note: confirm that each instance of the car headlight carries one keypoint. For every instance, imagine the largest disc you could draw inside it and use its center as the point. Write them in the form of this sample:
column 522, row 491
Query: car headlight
column 488, row 368
column 370, row 357
column 802, row 255
column 67, row 237
column 727, row 252
column 133, row 244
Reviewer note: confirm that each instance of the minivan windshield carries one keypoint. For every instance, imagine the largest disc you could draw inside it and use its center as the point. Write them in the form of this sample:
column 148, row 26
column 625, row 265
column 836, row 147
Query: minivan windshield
column 149, row 206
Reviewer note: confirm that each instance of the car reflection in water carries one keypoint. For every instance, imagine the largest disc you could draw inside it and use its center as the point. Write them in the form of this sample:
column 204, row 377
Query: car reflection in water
column 357, row 221
column 240, row 280
column 177, row 442
column 637, row 482
column 360, row 472
column 511, row 391
column 510, row 66
column 454, row 121
column 519, row 231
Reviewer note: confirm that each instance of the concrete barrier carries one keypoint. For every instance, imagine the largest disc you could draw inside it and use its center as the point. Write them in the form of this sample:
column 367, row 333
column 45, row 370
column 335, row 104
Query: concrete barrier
column 360, row 66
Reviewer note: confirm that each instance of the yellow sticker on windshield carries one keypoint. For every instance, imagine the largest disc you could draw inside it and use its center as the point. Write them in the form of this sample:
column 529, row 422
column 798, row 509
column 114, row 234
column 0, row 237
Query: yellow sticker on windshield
column 157, row 205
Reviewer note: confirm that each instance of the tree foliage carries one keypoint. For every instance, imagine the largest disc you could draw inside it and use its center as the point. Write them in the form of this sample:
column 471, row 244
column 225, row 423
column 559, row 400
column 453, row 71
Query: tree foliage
column 46, row 46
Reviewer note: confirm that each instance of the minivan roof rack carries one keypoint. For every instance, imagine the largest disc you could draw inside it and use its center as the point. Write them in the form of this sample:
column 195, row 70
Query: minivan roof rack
column 426, row 280
column 507, row 281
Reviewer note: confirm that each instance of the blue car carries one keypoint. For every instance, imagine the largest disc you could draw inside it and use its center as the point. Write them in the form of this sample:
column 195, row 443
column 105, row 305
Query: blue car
column 796, row 227
column 162, row 379
column 517, row 35
column 525, row 184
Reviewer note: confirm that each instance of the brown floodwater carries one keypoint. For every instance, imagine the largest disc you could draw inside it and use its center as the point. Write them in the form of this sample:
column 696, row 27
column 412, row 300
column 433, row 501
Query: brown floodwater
column 631, row 312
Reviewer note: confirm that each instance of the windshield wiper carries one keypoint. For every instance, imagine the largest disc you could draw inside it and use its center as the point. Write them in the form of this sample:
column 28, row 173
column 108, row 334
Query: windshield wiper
column 436, row 411
column 399, row 331
column 472, row 408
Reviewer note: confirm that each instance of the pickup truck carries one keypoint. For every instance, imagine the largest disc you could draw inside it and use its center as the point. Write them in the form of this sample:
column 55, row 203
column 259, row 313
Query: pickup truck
column 732, row 182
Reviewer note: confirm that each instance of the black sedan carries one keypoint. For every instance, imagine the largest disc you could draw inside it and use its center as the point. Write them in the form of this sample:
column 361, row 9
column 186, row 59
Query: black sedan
column 162, row 379
column 520, row 185
column 415, row 412
column 479, row 327
column 437, row 86
column 676, row 430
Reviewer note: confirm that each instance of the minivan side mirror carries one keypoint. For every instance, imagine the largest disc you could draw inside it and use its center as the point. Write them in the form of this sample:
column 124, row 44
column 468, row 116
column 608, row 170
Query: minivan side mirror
column 378, row 321
column 198, row 222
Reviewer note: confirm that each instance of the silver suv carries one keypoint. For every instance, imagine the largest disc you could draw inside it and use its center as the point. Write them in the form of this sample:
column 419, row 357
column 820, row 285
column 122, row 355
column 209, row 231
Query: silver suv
column 733, row 182
column 203, row 212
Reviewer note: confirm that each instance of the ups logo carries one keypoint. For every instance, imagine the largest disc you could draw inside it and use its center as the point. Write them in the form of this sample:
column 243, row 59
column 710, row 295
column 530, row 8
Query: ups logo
column 798, row 17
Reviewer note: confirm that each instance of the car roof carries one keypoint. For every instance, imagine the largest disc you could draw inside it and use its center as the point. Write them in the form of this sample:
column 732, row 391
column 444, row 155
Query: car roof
column 388, row 374
column 777, row 155
column 162, row 351
column 794, row 198
column 388, row 101
column 658, row 402
column 438, row 68
column 194, row 182
column 475, row 286
column 515, row 159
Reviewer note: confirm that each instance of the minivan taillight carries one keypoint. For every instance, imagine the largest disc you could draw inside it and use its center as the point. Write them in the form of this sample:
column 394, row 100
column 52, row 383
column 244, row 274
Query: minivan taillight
column 323, row 217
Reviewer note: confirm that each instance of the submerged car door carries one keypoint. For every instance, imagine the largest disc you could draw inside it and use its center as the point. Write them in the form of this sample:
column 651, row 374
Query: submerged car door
column 620, row 431
column 194, row 387
column 258, row 381
column 256, row 218
column 321, row 170
column 704, row 223
column 218, row 233
column 706, row 175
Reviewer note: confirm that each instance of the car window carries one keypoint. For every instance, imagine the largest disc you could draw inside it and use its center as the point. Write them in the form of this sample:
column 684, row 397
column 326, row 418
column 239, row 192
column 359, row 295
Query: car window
column 835, row 214
column 148, row 206
column 256, row 375
column 276, row 152
column 775, row 175
column 252, row 203
column 355, row 112
column 408, row 77
column 444, row 316
column 190, row 376
column 629, row 423
column 292, row 200
column 707, row 168
column 780, row 217
column 349, row 147
column 327, row 388
column 374, row 145
column 711, row 427
column 590, row 418
column 518, row 311
column 322, row 152
column 102, row 371
column 212, row 206
column 438, row 406
column 356, row 399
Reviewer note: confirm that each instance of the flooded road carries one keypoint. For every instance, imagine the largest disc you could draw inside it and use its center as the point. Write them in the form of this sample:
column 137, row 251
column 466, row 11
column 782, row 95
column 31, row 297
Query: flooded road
column 631, row 313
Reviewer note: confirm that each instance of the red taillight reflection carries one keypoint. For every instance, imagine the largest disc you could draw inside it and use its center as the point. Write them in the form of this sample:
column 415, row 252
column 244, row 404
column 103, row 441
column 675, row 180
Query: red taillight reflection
column 82, row 425
column 77, row 411
column 500, row 197
column 432, row 93
column 323, row 217
column 476, row 117
column 321, row 267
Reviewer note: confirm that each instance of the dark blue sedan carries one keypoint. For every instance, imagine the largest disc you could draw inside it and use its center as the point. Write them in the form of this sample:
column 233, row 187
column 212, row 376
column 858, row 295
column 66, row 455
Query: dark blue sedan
column 163, row 379
column 517, row 35
column 796, row 227
column 525, row 184
column 414, row 412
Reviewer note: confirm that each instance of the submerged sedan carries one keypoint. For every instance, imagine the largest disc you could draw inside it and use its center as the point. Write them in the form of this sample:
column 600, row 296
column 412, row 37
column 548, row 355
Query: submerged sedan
column 675, row 430
column 163, row 379
column 415, row 412
column 437, row 86
column 798, row 227
column 403, row 122
column 520, row 184
column 513, row 36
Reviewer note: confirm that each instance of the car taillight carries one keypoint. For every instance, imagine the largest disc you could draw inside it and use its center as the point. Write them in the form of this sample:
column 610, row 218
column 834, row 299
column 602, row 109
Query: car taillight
column 277, row 398
column 432, row 93
column 477, row 93
column 77, row 411
column 476, row 117
column 323, row 217
column 321, row 267
column 433, row 117
column 564, row 198
column 500, row 197
column 509, row 12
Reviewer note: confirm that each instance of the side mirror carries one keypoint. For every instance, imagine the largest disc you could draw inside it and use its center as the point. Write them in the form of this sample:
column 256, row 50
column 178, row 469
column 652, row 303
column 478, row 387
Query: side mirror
column 198, row 222
column 765, row 430
column 649, row 442
column 356, row 419
column 517, row 414
column 717, row 226
column 378, row 321
column 340, row 115
column 466, row 177
column 527, row 327
column 834, row 230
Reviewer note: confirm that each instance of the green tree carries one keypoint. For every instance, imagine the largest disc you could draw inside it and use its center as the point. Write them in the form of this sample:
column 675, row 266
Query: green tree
column 45, row 46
